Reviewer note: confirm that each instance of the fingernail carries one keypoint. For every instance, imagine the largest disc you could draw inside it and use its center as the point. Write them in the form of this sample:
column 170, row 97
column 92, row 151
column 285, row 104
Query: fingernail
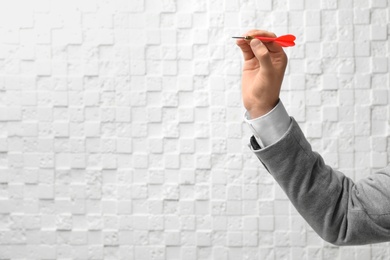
column 255, row 42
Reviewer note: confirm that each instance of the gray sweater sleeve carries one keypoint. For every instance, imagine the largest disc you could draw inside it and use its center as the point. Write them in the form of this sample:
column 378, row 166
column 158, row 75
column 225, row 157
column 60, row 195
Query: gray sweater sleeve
column 340, row 211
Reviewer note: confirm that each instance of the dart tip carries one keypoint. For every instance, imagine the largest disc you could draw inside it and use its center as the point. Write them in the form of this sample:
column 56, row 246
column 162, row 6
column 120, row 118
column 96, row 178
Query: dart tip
column 243, row 37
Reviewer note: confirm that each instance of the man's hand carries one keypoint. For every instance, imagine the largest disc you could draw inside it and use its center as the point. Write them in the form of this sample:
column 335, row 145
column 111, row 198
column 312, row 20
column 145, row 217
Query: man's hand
column 263, row 72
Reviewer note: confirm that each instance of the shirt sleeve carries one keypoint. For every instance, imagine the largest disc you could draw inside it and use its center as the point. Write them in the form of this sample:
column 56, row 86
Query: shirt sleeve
column 269, row 128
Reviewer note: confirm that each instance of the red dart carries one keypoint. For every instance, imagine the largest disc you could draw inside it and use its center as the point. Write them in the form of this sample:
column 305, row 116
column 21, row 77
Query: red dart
column 284, row 40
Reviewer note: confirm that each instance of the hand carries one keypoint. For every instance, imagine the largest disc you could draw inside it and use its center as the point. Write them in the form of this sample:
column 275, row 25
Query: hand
column 263, row 72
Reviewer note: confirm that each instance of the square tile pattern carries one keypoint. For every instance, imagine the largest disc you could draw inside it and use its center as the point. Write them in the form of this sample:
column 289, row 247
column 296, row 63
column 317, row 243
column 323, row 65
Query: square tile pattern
column 122, row 134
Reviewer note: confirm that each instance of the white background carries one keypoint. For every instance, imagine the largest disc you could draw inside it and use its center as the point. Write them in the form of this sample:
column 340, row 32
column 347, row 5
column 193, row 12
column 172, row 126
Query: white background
column 122, row 135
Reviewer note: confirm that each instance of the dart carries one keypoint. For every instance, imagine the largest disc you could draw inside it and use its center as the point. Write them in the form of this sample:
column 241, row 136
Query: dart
column 284, row 40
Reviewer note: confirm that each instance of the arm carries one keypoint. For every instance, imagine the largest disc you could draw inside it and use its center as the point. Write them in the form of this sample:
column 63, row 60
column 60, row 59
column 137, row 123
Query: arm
column 339, row 210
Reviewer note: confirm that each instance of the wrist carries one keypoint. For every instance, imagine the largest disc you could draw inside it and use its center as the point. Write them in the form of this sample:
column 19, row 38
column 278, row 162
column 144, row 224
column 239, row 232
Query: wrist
column 258, row 111
column 255, row 113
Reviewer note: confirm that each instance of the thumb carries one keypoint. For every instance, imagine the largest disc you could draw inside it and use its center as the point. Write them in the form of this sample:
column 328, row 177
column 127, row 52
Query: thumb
column 261, row 52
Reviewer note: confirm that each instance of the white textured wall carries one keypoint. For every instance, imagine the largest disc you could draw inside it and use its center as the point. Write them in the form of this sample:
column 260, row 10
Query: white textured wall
column 121, row 133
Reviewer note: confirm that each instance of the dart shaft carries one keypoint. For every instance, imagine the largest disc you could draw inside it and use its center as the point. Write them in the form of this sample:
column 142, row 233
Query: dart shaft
column 261, row 38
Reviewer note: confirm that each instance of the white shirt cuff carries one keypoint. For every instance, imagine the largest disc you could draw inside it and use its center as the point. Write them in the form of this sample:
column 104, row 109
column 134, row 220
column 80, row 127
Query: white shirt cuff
column 269, row 128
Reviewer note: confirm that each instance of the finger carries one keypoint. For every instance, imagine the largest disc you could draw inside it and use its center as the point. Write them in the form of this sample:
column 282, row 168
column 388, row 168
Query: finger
column 262, row 53
column 261, row 33
column 271, row 46
column 246, row 49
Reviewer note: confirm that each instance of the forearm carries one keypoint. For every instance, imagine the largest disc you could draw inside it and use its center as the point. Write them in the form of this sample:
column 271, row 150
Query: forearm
column 337, row 209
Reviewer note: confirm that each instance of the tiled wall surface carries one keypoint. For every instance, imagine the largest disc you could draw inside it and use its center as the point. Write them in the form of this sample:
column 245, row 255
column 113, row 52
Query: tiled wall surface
column 122, row 134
